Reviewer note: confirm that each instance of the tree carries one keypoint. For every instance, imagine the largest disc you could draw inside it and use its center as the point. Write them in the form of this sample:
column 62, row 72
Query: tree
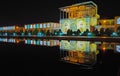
column 48, row 33
column 35, row 31
column 85, row 32
column 108, row 31
column 55, row 33
column 78, row 32
column 118, row 30
column 102, row 32
column 69, row 32
column 96, row 32
column 59, row 32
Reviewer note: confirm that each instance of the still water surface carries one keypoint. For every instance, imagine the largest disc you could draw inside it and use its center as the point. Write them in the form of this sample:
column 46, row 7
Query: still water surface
column 73, row 55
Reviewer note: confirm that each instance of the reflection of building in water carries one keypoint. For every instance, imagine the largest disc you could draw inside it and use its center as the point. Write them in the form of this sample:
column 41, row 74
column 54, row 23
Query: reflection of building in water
column 81, row 52
column 104, row 46
column 42, row 42
column 117, row 48
column 10, row 40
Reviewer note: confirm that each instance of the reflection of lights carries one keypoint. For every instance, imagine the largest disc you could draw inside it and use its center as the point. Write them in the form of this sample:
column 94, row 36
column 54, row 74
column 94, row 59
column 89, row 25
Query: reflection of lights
column 60, row 34
column 104, row 37
column 118, row 48
column 34, row 42
column 65, row 44
column 44, row 42
column 37, row 42
column 114, row 34
column 39, row 34
column 93, row 47
column 17, row 27
column 54, row 42
column 73, row 34
column 29, row 34
column 40, row 25
column 73, row 45
column 41, row 42
column 104, row 48
column 23, row 33
column 97, row 52
column 26, row 41
column 17, row 41
column 48, row 43
column 89, row 34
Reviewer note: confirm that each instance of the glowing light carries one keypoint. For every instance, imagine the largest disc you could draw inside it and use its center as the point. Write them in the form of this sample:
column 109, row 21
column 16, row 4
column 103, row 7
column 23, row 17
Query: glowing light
column 118, row 20
column 60, row 34
column 38, row 42
column 114, row 34
column 40, row 34
column 14, row 34
column 22, row 33
column 89, row 34
column 17, row 41
column 29, row 34
column 104, row 49
column 104, row 21
column 118, row 48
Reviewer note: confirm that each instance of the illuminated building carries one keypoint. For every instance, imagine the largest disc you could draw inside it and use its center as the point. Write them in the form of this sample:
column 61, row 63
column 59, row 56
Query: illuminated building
column 10, row 30
column 117, row 23
column 51, row 26
column 105, row 23
column 79, row 16
column 113, row 24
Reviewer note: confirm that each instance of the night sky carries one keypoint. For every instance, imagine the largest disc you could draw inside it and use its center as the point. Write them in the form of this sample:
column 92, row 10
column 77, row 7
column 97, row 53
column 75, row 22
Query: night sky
column 25, row 12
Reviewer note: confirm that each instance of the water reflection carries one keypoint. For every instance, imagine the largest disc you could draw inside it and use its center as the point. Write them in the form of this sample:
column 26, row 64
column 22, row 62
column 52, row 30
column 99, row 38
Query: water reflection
column 72, row 51
column 11, row 40
column 42, row 42
column 78, row 52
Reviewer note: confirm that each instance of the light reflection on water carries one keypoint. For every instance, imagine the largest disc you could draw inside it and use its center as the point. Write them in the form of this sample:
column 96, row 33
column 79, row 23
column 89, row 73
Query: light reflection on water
column 79, row 52
column 42, row 42
column 73, row 51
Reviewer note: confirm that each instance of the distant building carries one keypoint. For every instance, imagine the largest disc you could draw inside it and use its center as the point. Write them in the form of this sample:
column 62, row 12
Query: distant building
column 42, row 26
column 113, row 24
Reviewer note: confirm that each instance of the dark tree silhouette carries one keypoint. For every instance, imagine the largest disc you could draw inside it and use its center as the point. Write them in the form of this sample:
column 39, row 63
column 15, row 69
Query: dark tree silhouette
column 78, row 32
column 118, row 30
column 48, row 33
column 108, row 31
column 96, row 32
column 102, row 32
column 69, row 32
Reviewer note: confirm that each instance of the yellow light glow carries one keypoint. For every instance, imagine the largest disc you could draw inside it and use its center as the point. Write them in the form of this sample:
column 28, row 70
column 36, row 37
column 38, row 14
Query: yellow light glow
column 17, row 41
column 104, row 21
column 104, row 48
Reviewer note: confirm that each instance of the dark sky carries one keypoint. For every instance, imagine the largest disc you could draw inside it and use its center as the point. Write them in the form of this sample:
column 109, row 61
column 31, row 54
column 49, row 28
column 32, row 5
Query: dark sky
column 25, row 12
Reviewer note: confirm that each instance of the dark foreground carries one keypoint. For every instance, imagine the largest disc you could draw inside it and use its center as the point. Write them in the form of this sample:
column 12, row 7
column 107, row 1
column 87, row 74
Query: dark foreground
column 31, row 60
